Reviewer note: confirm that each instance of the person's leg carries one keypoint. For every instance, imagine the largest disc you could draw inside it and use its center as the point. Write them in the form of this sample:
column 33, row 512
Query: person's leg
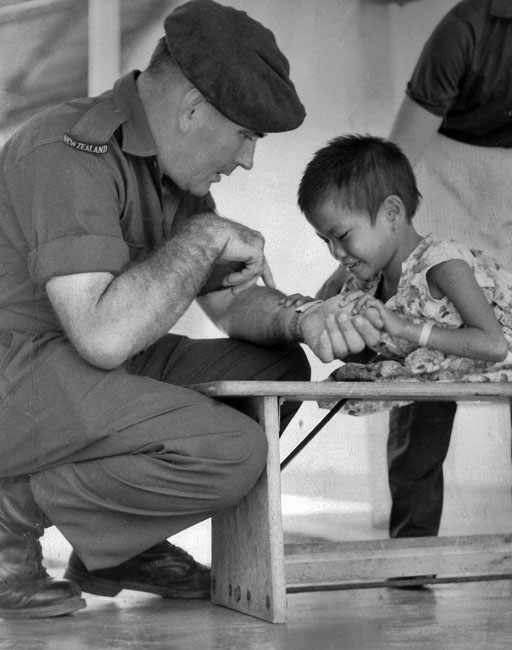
column 178, row 457
column 417, row 446
column 183, row 361
column 175, row 458
column 117, row 510
column 26, row 589
column 418, row 441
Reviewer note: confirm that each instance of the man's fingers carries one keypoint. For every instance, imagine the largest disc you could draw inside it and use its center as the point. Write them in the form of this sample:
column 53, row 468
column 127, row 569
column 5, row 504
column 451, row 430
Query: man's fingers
column 249, row 275
column 334, row 334
column 337, row 339
column 267, row 276
column 352, row 339
column 238, row 288
column 252, row 270
column 323, row 348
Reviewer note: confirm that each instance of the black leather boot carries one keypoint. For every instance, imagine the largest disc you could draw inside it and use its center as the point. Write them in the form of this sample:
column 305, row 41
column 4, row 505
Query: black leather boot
column 26, row 589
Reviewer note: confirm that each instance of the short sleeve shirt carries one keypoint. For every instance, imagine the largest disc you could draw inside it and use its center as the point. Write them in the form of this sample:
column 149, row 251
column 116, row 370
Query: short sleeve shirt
column 80, row 191
column 464, row 73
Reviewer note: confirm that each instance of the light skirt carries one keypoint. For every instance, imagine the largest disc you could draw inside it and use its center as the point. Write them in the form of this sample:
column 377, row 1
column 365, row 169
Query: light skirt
column 467, row 196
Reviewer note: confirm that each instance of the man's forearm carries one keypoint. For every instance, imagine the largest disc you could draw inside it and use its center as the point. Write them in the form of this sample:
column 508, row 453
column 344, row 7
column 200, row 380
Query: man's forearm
column 108, row 318
column 256, row 315
column 253, row 315
column 156, row 292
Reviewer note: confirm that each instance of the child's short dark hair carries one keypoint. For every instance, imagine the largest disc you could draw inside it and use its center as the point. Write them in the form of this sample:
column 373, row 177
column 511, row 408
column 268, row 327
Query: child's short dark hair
column 364, row 170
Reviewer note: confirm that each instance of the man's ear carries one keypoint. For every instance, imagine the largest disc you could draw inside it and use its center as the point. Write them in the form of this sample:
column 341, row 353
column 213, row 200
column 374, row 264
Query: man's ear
column 190, row 102
column 394, row 210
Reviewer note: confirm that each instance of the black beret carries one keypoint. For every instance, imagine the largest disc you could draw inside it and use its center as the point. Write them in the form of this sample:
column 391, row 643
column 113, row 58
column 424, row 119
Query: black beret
column 236, row 64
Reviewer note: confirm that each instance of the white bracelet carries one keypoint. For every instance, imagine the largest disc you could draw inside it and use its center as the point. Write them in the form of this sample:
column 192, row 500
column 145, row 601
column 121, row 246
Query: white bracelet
column 425, row 333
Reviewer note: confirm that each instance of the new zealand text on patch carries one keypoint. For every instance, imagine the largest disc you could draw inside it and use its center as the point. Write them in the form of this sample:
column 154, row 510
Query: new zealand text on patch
column 85, row 146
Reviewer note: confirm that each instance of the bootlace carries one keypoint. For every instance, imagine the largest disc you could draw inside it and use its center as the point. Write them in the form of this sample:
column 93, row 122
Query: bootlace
column 34, row 557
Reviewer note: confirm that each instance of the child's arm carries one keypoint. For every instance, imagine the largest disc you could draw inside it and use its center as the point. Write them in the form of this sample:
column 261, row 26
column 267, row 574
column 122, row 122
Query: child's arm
column 332, row 286
column 481, row 338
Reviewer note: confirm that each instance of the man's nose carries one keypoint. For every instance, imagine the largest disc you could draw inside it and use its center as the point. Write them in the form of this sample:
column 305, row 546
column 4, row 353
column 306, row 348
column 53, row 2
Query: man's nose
column 245, row 157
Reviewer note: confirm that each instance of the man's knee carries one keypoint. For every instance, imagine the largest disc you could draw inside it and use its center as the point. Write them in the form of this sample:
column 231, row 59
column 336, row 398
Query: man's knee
column 299, row 368
column 240, row 471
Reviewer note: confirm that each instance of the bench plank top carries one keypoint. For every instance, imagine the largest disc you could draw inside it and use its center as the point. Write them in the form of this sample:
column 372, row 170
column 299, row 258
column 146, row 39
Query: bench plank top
column 380, row 390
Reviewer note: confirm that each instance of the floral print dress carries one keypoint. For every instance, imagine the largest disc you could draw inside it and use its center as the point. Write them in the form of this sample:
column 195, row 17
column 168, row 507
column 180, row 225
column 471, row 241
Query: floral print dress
column 405, row 361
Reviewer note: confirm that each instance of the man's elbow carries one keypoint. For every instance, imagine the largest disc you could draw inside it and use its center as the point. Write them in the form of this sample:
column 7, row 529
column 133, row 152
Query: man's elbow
column 103, row 353
column 101, row 360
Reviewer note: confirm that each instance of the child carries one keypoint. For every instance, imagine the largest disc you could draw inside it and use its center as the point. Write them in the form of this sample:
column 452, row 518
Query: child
column 445, row 311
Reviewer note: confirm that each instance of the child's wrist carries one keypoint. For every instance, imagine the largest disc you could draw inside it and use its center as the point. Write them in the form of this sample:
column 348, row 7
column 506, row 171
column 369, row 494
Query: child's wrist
column 424, row 335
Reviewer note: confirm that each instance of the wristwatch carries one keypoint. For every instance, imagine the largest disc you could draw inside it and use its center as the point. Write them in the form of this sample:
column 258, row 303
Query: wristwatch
column 297, row 316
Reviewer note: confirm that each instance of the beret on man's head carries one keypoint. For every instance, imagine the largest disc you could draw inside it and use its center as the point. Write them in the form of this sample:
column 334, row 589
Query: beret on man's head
column 234, row 61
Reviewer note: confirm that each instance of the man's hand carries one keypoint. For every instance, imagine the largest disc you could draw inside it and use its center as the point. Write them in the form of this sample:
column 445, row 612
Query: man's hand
column 238, row 243
column 333, row 332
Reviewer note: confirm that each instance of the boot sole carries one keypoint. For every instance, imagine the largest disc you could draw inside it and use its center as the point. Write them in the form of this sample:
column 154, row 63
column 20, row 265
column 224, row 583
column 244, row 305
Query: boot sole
column 110, row 588
column 57, row 609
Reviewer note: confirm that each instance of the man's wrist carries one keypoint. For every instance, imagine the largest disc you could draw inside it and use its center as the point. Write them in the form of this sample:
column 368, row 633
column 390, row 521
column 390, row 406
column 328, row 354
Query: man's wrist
column 294, row 327
column 295, row 333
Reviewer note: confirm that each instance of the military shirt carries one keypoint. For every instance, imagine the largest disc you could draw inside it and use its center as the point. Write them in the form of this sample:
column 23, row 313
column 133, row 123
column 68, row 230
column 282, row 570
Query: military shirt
column 80, row 191
column 464, row 73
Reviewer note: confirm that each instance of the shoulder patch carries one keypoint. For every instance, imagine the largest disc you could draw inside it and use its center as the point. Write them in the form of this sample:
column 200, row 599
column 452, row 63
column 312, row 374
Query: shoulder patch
column 85, row 146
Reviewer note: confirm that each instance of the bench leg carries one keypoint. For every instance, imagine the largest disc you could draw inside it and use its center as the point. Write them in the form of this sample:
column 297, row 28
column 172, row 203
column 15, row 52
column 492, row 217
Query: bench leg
column 247, row 540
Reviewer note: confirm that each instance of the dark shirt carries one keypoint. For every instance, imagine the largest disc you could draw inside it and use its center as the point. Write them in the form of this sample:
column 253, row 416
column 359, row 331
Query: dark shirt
column 80, row 191
column 464, row 73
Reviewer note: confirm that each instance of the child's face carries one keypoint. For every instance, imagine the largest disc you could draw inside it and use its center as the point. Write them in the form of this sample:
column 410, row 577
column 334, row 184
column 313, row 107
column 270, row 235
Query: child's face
column 362, row 247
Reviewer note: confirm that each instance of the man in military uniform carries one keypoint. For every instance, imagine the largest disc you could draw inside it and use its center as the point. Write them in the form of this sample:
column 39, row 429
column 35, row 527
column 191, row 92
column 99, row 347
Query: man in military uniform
column 108, row 234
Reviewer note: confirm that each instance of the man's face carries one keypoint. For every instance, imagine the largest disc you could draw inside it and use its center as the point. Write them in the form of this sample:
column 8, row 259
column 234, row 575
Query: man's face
column 213, row 147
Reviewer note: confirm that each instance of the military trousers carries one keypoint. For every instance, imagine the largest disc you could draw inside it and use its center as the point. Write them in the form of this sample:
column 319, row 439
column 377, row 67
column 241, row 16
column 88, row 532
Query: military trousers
column 120, row 460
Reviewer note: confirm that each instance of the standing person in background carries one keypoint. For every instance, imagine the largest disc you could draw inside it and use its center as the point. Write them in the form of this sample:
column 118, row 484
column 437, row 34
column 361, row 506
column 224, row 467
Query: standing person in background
column 455, row 126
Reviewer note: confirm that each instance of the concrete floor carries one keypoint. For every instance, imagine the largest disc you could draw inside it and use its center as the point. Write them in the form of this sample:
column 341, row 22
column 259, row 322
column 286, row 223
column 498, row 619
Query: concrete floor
column 469, row 616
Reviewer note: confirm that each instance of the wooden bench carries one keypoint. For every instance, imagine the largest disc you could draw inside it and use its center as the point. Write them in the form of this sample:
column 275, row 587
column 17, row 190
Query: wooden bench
column 252, row 570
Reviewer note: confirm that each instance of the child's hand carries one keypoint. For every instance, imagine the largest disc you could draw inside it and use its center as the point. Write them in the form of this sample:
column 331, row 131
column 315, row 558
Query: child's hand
column 379, row 315
column 295, row 300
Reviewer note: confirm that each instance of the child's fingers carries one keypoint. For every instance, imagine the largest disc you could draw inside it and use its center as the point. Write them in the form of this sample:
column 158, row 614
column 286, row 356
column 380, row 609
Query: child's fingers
column 353, row 295
column 363, row 303
column 373, row 315
column 295, row 299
